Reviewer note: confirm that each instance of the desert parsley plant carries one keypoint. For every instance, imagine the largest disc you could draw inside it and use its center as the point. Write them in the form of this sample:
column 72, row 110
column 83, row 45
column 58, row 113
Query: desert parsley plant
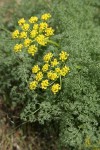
column 35, row 33
column 75, row 107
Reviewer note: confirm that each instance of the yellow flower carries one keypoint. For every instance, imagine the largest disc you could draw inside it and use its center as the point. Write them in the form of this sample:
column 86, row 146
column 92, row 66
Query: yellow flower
column 33, row 33
column 21, row 21
column 64, row 71
column 87, row 141
column 41, row 39
column 33, row 19
column 25, row 26
column 54, row 62
column 23, row 35
column 33, row 85
column 15, row 34
column 18, row 47
column 63, row 56
column 39, row 76
column 43, row 25
column 47, row 57
column 55, row 88
column 32, row 50
column 35, row 26
column 35, row 69
column 45, row 67
column 27, row 42
column 52, row 75
column 49, row 74
column 58, row 70
column 49, row 31
column 44, row 84
column 46, row 16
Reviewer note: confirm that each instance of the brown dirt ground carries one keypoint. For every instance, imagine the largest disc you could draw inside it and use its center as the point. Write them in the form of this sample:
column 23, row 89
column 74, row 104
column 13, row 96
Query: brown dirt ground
column 4, row 2
column 22, row 136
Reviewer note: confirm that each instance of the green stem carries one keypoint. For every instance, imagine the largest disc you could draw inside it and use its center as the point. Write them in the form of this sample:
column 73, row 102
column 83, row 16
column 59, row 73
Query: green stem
column 52, row 42
column 60, row 82
column 52, row 83
column 34, row 111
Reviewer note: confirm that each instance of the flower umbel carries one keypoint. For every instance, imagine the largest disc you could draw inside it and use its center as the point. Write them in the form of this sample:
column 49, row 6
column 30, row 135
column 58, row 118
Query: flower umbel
column 23, row 35
column 55, row 88
column 49, row 31
column 32, row 50
column 41, row 39
column 25, row 26
column 44, row 84
column 52, row 75
column 47, row 57
column 39, row 76
column 45, row 16
column 35, row 69
column 15, row 34
column 21, row 21
column 34, row 31
column 54, row 62
column 64, row 71
column 52, row 71
column 43, row 25
column 33, row 19
column 45, row 67
column 18, row 47
column 63, row 56
column 33, row 85
column 27, row 42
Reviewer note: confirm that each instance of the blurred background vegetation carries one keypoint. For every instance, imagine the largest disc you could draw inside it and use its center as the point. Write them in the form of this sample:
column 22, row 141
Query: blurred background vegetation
column 77, row 29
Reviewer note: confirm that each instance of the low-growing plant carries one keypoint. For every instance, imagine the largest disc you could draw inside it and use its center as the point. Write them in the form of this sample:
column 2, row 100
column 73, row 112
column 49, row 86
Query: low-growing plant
column 74, row 103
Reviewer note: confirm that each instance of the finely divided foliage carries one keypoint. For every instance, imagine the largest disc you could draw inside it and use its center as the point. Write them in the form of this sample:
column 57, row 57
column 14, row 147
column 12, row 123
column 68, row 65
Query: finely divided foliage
column 36, row 75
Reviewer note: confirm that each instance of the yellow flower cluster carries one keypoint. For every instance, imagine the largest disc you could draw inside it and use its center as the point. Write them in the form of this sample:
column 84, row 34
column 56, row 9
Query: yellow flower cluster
column 49, row 31
column 27, row 42
column 55, row 88
column 25, row 27
column 35, row 69
column 33, row 85
column 47, row 57
column 33, row 19
column 44, row 84
column 21, row 22
column 54, row 62
column 46, row 16
column 39, row 76
column 50, row 73
column 32, row 50
column 43, row 26
column 45, row 67
column 15, row 34
column 31, row 35
column 23, row 35
column 18, row 47
column 41, row 39
column 63, row 56
column 35, row 31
